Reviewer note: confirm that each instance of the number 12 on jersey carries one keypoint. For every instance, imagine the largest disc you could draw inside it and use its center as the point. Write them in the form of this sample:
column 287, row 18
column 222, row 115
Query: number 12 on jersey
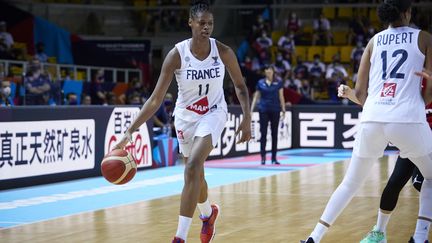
column 201, row 89
column 394, row 72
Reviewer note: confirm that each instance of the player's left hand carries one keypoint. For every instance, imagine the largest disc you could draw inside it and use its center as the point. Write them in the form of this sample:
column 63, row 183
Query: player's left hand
column 245, row 129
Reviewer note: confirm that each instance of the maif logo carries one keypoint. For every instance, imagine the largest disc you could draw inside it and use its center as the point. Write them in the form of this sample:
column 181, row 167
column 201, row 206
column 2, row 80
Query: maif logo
column 200, row 107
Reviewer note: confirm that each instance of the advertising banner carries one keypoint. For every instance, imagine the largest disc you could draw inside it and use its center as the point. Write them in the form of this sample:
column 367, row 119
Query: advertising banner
column 41, row 145
column 228, row 147
column 46, row 147
column 118, row 123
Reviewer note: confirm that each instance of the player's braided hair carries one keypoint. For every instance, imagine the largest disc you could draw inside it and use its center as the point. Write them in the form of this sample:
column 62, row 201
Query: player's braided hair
column 198, row 6
column 390, row 11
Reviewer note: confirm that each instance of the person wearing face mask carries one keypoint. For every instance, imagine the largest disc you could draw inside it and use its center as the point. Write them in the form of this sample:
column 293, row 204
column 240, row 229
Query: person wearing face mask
column 5, row 94
column 356, row 55
column 6, row 41
column 294, row 24
column 301, row 68
column 336, row 75
column 37, row 86
column 286, row 44
column 317, row 68
column 40, row 52
column 322, row 34
column 264, row 41
column 161, row 118
column 282, row 66
column 134, row 87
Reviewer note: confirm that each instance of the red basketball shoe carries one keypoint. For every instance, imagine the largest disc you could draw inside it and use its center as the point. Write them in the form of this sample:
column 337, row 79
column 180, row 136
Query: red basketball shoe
column 208, row 229
column 178, row 240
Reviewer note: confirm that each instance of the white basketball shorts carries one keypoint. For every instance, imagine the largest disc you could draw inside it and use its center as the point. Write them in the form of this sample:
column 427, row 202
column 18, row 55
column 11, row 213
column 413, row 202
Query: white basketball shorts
column 212, row 123
column 412, row 139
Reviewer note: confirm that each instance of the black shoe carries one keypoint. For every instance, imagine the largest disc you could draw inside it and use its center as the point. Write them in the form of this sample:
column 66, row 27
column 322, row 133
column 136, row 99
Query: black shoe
column 263, row 162
column 275, row 162
column 309, row 240
column 412, row 240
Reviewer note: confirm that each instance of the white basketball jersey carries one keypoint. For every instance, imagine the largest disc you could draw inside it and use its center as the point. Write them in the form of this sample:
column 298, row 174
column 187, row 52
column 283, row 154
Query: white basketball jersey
column 394, row 92
column 200, row 83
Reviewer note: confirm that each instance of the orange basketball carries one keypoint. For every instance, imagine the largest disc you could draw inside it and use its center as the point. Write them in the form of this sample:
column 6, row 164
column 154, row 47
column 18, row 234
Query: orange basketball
column 118, row 166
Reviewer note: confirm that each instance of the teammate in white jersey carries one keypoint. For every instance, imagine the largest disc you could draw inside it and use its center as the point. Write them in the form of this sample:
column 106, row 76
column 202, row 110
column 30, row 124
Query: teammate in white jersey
column 200, row 114
column 393, row 111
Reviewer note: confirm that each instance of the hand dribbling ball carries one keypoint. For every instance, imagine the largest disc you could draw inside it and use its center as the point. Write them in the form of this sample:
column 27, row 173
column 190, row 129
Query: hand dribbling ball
column 118, row 167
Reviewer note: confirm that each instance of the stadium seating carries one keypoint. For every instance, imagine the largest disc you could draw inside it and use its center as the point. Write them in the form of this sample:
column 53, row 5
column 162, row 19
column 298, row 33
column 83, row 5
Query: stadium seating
column 312, row 50
column 329, row 52
column 346, row 53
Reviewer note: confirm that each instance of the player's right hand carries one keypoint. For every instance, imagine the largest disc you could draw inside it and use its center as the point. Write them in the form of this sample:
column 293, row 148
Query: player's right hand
column 344, row 91
column 425, row 74
column 127, row 137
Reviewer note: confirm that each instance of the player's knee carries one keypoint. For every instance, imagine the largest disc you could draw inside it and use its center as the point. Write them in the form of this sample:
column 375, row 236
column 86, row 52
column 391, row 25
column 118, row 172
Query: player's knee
column 351, row 185
column 394, row 185
column 193, row 170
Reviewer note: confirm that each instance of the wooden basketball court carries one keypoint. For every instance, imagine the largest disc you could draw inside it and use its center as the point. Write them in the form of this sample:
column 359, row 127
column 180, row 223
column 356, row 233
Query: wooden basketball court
column 280, row 208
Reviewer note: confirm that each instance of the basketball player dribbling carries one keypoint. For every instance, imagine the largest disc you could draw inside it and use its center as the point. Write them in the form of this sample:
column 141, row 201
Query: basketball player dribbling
column 393, row 111
column 200, row 113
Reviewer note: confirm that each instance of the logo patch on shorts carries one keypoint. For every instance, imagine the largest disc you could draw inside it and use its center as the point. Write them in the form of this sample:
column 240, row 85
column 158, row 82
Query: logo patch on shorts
column 200, row 107
column 389, row 90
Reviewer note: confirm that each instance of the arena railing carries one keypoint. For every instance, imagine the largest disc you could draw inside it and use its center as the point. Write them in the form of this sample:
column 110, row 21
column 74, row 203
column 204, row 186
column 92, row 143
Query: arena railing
column 75, row 72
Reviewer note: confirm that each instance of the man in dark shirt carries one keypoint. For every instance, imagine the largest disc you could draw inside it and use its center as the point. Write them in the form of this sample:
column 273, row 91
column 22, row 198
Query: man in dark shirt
column 37, row 86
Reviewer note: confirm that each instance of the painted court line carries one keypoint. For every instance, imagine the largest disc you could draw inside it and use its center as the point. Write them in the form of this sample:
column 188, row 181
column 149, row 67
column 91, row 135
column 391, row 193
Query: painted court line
column 44, row 202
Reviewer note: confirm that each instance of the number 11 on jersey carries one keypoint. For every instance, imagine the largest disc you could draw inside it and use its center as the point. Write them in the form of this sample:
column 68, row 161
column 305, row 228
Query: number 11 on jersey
column 201, row 89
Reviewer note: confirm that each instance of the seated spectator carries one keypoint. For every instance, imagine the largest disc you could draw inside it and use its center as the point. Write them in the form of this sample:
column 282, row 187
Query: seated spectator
column 162, row 119
column 317, row 68
column 290, row 83
column 37, row 86
column 292, row 97
column 294, row 83
column 357, row 31
column 135, row 86
column 301, row 68
column 261, row 25
column 321, row 31
column 264, row 41
column 336, row 75
column 370, row 31
column 294, row 26
column 40, row 52
column 71, row 99
column 6, row 42
column 135, row 99
column 305, row 89
column 85, row 99
column 282, row 66
column 286, row 45
column 262, row 47
column 97, row 93
column 111, row 99
column 169, row 104
column 5, row 93
column 356, row 55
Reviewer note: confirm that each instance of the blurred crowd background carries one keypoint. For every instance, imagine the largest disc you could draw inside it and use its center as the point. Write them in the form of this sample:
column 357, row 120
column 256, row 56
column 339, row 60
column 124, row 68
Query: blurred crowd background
column 314, row 45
